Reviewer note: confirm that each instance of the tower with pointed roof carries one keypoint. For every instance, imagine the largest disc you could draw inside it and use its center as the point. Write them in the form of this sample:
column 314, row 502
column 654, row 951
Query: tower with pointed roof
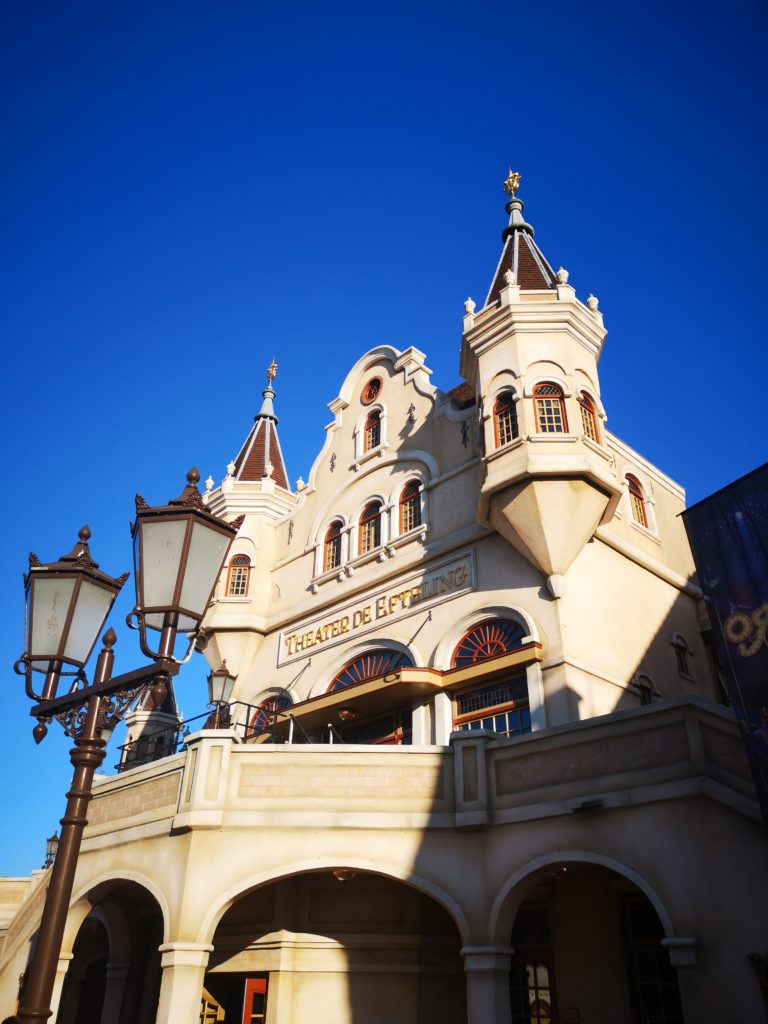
column 535, row 346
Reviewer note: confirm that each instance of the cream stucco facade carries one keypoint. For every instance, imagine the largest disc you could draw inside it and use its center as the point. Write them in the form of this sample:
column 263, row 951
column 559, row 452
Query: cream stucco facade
column 523, row 798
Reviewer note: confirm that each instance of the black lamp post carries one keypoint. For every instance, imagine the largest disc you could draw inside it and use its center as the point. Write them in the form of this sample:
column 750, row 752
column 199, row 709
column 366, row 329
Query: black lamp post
column 51, row 846
column 179, row 550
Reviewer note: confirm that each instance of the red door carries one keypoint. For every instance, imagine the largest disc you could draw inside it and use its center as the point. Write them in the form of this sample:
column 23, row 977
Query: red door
column 255, row 1001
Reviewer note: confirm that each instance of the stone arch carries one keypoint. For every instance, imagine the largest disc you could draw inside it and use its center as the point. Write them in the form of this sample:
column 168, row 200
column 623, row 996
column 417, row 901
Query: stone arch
column 392, row 872
column 511, row 895
column 83, row 895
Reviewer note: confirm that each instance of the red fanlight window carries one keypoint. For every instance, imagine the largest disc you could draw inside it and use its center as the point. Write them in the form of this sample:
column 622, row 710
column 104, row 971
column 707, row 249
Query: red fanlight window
column 372, row 665
column 588, row 417
column 332, row 547
column 370, row 527
column 505, row 419
column 239, row 576
column 372, row 431
column 637, row 501
column 488, row 640
column 549, row 407
column 410, row 506
column 263, row 717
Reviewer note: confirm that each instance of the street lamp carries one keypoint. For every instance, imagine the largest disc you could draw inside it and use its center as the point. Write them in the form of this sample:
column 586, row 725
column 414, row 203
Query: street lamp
column 220, row 686
column 179, row 551
column 51, row 846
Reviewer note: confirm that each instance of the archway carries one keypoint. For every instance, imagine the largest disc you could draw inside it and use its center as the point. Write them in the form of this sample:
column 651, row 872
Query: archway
column 114, row 976
column 587, row 946
column 337, row 946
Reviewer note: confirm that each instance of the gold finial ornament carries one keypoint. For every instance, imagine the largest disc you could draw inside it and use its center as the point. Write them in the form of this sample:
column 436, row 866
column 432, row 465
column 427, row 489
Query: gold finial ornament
column 272, row 370
column 512, row 183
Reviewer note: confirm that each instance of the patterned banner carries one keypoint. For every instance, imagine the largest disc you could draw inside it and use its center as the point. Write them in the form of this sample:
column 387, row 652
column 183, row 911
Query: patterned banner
column 728, row 533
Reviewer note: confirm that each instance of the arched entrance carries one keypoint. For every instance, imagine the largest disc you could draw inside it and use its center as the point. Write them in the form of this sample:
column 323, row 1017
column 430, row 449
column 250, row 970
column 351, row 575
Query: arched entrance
column 588, row 947
column 336, row 947
column 114, row 975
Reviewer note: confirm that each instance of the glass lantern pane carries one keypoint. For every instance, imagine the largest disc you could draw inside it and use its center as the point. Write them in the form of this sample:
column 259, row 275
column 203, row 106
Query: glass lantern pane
column 50, row 603
column 161, row 545
column 206, row 554
column 91, row 611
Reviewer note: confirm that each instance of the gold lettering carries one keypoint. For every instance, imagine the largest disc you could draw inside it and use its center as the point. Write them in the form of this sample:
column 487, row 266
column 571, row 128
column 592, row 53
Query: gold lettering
column 367, row 613
column 381, row 607
column 345, row 624
column 460, row 576
column 357, row 619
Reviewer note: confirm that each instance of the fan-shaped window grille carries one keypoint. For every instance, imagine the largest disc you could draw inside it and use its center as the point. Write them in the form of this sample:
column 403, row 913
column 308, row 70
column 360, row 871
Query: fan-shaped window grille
column 261, row 721
column 488, row 640
column 370, row 665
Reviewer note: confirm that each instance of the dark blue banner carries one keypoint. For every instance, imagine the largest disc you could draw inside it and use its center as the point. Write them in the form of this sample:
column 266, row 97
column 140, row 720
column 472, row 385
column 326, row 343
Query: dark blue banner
column 728, row 533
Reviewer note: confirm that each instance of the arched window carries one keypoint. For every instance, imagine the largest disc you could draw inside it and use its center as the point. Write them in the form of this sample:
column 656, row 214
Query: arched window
column 371, row 665
column 372, row 431
column 637, row 501
column 549, row 408
column 263, row 718
column 332, row 547
column 588, row 417
column 682, row 650
column 488, row 640
column 370, row 527
column 505, row 419
column 410, row 506
column 502, row 705
column 239, row 576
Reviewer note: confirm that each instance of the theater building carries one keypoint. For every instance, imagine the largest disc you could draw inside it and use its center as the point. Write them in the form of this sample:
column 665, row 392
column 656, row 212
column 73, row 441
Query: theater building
column 477, row 765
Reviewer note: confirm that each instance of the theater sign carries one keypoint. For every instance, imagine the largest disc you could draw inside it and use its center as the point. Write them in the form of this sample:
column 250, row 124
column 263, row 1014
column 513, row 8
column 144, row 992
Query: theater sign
column 410, row 594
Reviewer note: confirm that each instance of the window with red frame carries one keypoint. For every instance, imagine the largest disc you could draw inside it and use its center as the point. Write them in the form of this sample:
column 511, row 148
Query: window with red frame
column 549, row 407
column 637, row 501
column 372, row 431
column 588, row 417
column 370, row 527
column 239, row 576
column 263, row 718
column 255, row 1001
column 332, row 547
column 505, row 419
column 410, row 506
column 501, row 706
column 370, row 665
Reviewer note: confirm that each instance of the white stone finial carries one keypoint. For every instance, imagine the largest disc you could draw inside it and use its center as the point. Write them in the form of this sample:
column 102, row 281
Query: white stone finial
column 510, row 278
column 269, row 469
column 593, row 302
column 209, row 484
column 231, row 467
column 470, row 306
column 562, row 276
column 300, row 485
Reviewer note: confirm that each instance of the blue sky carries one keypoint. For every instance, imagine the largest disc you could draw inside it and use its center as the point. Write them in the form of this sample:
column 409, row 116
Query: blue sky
column 190, row 188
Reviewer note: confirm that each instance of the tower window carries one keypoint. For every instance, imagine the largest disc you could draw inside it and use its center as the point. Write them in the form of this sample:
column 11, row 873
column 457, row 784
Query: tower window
column 332, row 547
column 505, row 419
column 410, row 506
column 550, row 409
column 239, row 576
column 370, row 527
column 637, row 501
column 588, row 417
column 372, row 431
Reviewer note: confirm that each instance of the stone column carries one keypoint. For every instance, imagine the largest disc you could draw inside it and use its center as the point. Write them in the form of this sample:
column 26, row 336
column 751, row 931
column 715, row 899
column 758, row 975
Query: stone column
column 487, row 972
column 181, row 988
column 114, row 992
column 61, row 972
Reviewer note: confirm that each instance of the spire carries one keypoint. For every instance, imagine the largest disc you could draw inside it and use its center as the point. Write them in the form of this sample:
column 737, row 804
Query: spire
column 261, row 456
column 520, row 254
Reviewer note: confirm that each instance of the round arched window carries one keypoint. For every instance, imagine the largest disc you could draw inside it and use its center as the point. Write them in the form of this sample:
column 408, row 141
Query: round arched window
column 488, row 640
column 262, row 719
column 370, row 665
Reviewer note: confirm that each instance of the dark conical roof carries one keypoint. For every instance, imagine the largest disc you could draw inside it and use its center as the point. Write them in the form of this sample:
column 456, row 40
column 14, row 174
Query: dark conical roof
column 262, row 446
column 520, row 253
